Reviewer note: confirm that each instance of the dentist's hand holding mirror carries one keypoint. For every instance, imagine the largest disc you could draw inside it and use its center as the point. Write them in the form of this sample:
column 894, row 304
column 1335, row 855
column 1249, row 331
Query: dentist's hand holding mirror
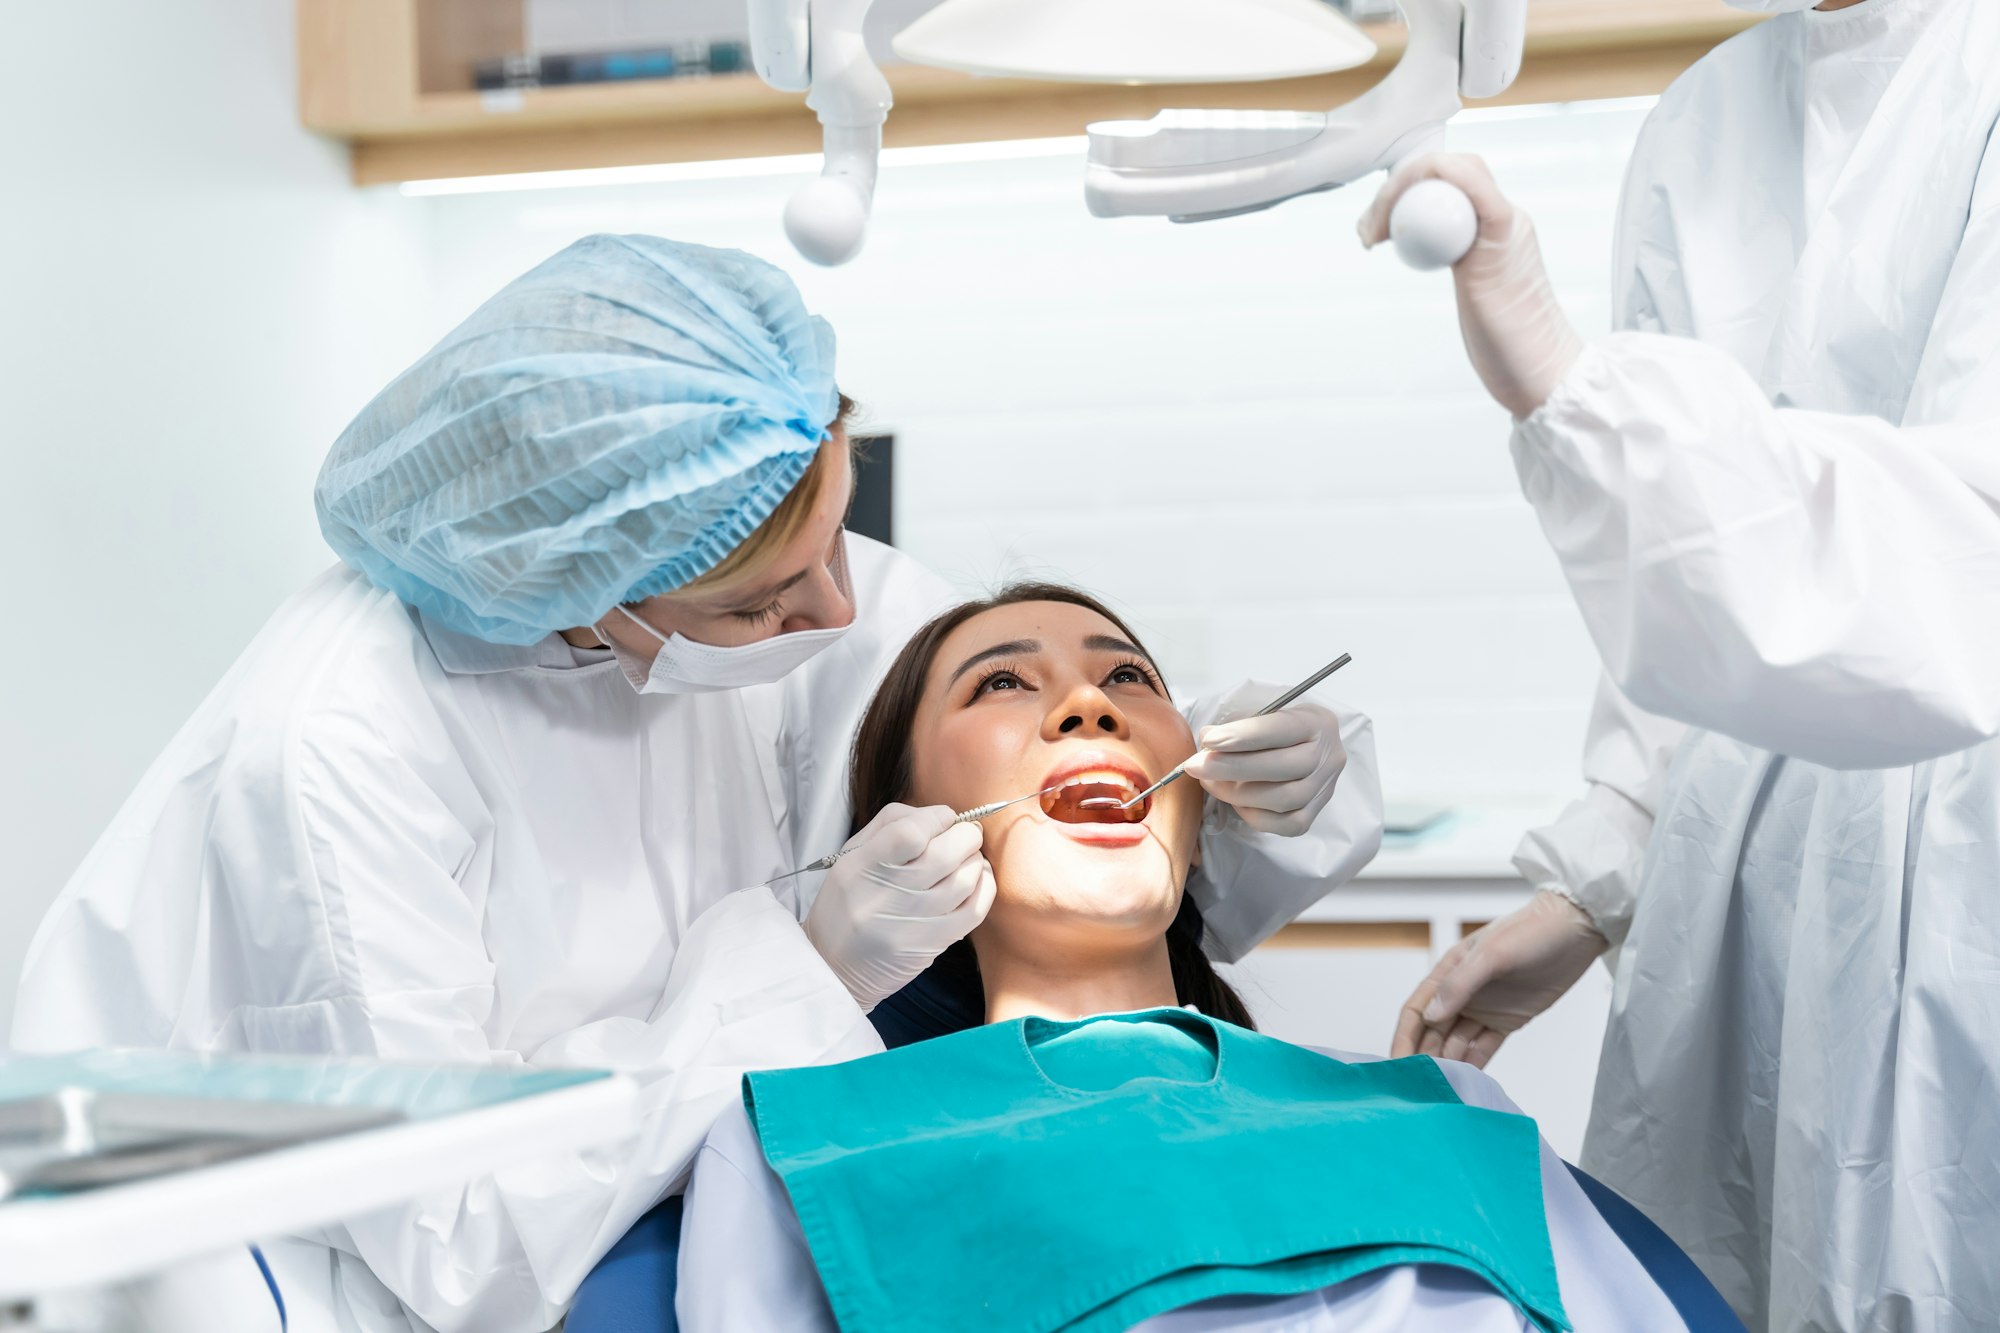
column 1277, row 771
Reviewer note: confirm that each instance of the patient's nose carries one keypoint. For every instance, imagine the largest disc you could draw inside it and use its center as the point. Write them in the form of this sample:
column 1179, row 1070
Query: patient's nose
column 1087, row 711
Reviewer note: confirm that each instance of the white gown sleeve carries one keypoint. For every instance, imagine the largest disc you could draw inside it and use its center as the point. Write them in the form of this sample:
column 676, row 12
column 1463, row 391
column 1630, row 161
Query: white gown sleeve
column 1249, row 883
column 1821, row 586
column 1591, row 854
column 746, row 991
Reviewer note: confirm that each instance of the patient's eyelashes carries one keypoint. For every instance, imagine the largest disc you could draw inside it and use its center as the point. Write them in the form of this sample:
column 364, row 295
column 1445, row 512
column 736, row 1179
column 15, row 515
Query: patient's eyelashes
column 1001, row 677
column 1013, row 676
column 1134, row 672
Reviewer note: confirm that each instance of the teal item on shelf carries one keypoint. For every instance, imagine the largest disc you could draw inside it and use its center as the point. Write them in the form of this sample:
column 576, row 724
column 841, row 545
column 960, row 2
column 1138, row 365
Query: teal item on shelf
column 1034, row 1176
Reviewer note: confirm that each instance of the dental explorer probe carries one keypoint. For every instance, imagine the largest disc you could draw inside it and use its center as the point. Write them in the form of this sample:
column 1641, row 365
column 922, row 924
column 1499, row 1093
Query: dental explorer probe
column 1271, row 707
column 977, row 812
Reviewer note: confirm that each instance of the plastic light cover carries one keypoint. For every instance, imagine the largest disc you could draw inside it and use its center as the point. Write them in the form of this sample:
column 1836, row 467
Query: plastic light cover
column 1137, row 41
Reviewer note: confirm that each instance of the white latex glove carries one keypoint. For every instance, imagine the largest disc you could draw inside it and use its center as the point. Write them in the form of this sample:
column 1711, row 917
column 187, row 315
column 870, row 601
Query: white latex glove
column 1520, row 341
column 1496, row 979
column 909, row 886
column 1278, row 771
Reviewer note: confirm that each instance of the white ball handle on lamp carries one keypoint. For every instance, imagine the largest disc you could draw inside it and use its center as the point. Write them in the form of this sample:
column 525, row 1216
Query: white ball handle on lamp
column 1433, row 225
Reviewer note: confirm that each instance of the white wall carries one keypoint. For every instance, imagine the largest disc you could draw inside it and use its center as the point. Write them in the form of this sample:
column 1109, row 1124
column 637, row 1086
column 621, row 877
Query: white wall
column 1260, row 440
column 193, row 301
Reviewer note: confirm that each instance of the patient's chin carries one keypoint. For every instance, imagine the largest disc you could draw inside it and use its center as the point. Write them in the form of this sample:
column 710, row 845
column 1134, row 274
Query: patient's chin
column 1136, row 889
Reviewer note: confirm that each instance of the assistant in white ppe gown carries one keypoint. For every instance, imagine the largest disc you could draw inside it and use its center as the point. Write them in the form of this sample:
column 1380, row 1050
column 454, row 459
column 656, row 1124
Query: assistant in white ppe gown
column 381, row 837
column 1783, row 527
column 744, row 1263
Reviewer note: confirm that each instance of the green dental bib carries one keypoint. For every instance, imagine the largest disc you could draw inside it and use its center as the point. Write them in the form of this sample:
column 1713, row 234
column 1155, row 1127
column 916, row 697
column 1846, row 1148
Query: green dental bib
column 1034, row 1175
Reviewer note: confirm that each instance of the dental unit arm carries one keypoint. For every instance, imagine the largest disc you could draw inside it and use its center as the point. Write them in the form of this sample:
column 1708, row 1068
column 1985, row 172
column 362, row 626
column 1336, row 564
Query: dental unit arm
column 1193, row 166
column 1190, row 166
column 816, row 47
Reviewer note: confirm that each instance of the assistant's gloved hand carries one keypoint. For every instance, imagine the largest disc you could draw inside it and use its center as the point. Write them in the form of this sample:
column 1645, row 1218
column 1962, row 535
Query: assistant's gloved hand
column 1278, row 771
column 907, row 887
column 1520, row 341
column 1496, row 979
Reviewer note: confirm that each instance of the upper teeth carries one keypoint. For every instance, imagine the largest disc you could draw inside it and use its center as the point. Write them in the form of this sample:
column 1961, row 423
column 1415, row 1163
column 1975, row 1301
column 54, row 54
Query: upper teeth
column 1107, row 779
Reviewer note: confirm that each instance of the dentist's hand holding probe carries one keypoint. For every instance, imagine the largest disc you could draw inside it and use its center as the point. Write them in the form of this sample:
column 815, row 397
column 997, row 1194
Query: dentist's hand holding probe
column 1496, row 979
column 909, row 886
column 1520, row 341
column 1277, row 771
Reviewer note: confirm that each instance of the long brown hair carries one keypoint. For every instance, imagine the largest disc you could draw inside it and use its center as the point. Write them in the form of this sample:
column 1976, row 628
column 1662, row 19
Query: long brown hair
column 880, row 773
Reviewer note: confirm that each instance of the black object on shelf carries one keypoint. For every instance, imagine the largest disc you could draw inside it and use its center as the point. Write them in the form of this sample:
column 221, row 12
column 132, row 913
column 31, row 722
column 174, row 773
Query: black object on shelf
column 687, row 60
column 874, row 509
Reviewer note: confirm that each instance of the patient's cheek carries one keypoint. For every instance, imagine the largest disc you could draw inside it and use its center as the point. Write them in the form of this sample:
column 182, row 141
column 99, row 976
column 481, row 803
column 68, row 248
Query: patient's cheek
column 966, row 762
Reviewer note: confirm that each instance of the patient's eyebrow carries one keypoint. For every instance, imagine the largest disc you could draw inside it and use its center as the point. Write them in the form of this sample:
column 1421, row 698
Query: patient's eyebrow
column 1106, row 643
column 1013, row 648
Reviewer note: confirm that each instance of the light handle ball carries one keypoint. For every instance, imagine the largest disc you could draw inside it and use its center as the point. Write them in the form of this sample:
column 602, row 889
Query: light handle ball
column 1433, row 225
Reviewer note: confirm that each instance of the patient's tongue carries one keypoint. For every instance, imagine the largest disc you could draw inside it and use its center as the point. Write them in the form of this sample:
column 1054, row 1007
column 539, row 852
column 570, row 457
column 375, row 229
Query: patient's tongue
column 1093, row 803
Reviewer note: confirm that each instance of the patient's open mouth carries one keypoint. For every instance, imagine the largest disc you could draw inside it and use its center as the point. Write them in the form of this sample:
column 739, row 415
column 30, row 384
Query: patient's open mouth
column 1095, row 798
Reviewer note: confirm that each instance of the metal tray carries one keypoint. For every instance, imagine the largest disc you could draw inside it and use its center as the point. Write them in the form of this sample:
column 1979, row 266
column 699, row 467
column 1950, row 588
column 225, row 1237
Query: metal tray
column 76, row 1138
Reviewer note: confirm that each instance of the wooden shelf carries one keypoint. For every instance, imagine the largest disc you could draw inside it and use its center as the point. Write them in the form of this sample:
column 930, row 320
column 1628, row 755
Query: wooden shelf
column 361, row 78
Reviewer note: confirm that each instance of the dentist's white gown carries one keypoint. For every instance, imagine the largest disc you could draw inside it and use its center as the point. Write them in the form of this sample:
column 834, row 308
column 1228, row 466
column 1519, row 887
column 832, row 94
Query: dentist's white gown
column 1781, row 526
column 380, row 838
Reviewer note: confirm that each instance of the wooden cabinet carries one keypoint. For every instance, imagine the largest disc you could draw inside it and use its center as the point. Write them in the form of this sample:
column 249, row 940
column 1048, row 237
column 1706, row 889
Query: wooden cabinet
column 393, row 79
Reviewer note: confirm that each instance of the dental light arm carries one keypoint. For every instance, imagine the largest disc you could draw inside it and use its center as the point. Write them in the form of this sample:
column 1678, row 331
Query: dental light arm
column 816, row 47
column 1187, row 165
column 1192, row 166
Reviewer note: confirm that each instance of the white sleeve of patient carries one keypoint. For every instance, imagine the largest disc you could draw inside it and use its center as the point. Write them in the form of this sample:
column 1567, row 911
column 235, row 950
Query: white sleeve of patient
column 743, row 1260
column 1603, row 1285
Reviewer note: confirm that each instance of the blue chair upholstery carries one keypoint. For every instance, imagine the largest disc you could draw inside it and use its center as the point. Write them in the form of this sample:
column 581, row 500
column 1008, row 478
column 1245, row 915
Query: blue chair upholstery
column 632, row 1288
column 1694, row 1297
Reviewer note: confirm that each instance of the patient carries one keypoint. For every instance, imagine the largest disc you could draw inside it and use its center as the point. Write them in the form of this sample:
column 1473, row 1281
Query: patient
column 1165, row 1168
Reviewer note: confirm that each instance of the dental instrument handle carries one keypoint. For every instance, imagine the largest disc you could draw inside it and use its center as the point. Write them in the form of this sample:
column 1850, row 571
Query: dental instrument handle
column 995, row 807
column 977, row 812
column 1293, row 693
column 1287, row 697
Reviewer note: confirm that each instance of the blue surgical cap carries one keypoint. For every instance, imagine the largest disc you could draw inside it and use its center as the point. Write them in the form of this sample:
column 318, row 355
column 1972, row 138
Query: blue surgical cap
column 608, row 427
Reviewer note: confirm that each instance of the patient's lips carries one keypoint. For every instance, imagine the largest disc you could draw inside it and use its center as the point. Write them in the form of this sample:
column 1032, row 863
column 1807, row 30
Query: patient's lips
column 1095, row 798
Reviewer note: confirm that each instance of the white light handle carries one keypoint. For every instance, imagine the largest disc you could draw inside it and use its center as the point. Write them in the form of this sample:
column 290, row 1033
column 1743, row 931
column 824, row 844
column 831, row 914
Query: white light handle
column 1433, row 225
column 827, row 219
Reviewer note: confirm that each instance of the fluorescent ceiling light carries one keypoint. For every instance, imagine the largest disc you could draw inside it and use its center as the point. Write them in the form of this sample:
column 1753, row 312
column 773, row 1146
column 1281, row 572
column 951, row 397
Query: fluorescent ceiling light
column 1137, row 41
column 1003, row 150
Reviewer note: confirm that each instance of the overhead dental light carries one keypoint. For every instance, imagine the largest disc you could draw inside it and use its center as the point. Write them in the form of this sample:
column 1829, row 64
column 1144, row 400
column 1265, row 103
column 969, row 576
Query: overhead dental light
column 1187, row 165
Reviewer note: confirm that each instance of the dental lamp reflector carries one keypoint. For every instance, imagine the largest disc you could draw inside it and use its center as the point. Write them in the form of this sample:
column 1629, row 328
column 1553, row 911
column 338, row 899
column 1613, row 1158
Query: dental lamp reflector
column 1136, row 41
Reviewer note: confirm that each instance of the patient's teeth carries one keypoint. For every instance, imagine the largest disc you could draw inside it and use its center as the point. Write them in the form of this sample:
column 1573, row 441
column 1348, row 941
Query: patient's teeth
column 1095, row 799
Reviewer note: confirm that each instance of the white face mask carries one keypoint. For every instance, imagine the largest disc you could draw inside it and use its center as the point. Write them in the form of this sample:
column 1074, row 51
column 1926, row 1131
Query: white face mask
column 683, row 666
column 1772, row 6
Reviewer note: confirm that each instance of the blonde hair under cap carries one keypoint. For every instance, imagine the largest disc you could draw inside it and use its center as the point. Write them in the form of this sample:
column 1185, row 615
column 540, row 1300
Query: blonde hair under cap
column 610, row 426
